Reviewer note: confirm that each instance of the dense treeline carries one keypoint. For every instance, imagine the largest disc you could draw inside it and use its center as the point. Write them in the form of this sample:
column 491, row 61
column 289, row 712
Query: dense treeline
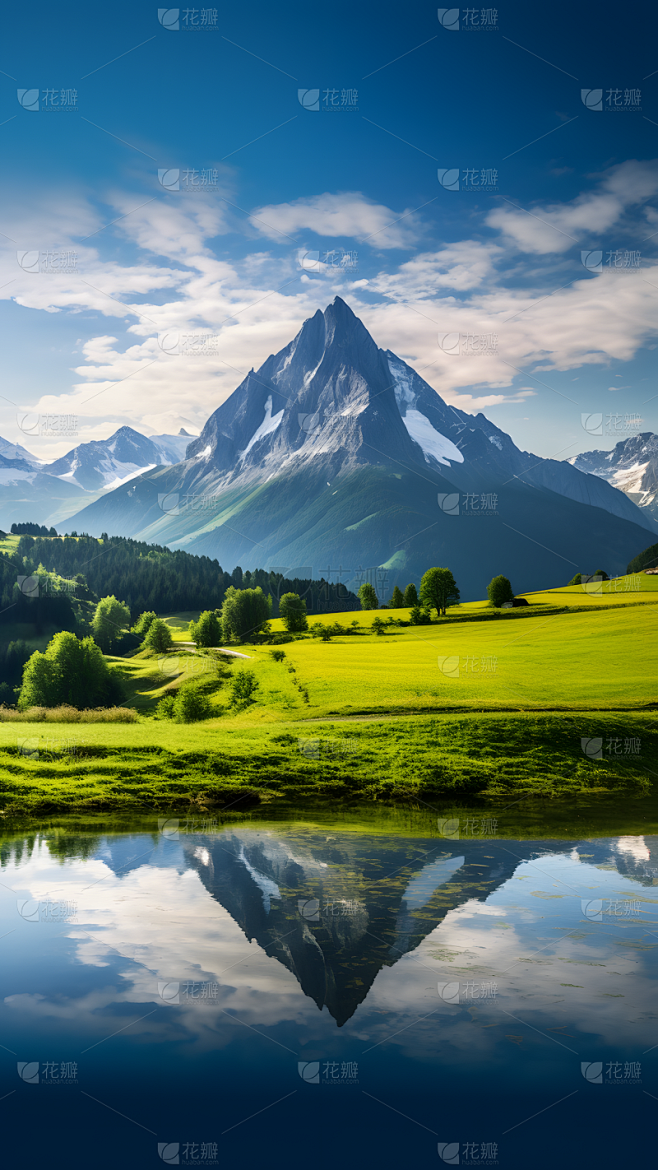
column 30, row 529
column 646, row 560
column 151, row 577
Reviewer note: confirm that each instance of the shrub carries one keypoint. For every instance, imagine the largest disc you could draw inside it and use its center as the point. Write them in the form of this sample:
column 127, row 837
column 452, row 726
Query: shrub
column 242, row 688
column 378, row 625
column 165, row 708
column 191, row 704
column 72, row 672
column 278, row 655
column 420, row 617
column 66, row 714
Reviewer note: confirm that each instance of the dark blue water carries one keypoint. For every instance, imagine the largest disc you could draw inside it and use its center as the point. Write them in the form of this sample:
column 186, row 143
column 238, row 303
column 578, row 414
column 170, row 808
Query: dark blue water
column 294, row 994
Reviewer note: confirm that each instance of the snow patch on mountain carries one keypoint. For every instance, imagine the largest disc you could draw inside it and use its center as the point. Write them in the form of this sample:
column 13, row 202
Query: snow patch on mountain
column 109, row 487
column 430, row 441
column 268, row 425
column 496, row 442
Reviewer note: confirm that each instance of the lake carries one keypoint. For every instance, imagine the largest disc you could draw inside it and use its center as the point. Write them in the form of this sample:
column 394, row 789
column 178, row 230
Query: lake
column 365, row 987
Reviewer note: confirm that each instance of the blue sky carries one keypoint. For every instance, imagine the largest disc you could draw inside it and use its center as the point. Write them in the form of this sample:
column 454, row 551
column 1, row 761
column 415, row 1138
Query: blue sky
column 497, row 267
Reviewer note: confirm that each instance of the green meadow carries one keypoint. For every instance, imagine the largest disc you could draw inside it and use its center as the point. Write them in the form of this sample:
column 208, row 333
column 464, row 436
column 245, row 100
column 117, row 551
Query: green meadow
column 479, row 704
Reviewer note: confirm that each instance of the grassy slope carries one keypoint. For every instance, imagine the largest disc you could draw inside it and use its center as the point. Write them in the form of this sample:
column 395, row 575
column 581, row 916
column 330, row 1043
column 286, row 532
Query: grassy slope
column 587, row 667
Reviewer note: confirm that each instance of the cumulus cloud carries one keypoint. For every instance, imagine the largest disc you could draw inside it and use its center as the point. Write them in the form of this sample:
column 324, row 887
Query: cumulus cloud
column 336, row 216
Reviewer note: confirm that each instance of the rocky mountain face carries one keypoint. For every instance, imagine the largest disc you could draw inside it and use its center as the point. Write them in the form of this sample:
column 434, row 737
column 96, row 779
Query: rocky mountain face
column 632, row 467
column 336, row 454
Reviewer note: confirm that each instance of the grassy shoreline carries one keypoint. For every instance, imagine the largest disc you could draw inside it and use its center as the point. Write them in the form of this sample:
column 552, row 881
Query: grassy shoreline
column 412, row 762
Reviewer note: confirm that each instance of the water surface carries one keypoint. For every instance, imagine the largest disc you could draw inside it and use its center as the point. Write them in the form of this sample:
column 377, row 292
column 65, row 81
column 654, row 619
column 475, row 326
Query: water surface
column 321, row 992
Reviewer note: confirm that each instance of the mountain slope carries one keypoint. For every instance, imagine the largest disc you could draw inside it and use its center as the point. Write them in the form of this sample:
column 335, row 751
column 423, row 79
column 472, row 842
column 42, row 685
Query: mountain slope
column 336, row 454
column 106, row 463
column 632, row 467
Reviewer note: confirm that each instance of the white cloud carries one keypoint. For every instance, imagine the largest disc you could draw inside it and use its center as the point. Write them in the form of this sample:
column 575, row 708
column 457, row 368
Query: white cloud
column 336, row 216
column 558, row 227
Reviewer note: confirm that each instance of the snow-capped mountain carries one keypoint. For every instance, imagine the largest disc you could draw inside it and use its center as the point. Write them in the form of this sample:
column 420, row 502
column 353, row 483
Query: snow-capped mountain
column 108, row 463
column 336, row 454
column 632, row 466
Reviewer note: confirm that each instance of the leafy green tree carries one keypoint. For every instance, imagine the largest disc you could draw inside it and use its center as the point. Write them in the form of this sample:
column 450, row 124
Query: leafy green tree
column 397, row 599
column 602, row 574
column 378, row 625
column 499, row 590
column 368, row 596
column 110, row 621
column 159, row 636
column 71, row 671
column 144, row 622
column 244, row 612
column 438, row 590
column 575, row 580
column 207, row 631
column 292, row 610
column 410, row 595
column 191, row 704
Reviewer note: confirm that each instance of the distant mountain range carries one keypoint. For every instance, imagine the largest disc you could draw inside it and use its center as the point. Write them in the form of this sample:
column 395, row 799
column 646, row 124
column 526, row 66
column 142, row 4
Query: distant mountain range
column 632, row 466
column 49, row 493
column 337, row 455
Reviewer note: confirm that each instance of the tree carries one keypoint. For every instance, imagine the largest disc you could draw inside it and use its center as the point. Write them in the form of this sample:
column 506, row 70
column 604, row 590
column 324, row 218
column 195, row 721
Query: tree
column 368, row 596
column 159, row 636
column 191, row 704
column 71, row 671
column 438, row 589
column 645, row 560
column 110, row 621
column 242, row 688
column 410, row 595
column 499, row 590
column 602, row 574
column 244, row 612
column 419, row 617
column 397, row 599
column 292, row 610
column 207, row 631
column 144, row 622
column 575, row 580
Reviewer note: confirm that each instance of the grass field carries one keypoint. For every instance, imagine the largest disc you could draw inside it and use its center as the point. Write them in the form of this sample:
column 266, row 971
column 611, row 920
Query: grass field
column 475, row 704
